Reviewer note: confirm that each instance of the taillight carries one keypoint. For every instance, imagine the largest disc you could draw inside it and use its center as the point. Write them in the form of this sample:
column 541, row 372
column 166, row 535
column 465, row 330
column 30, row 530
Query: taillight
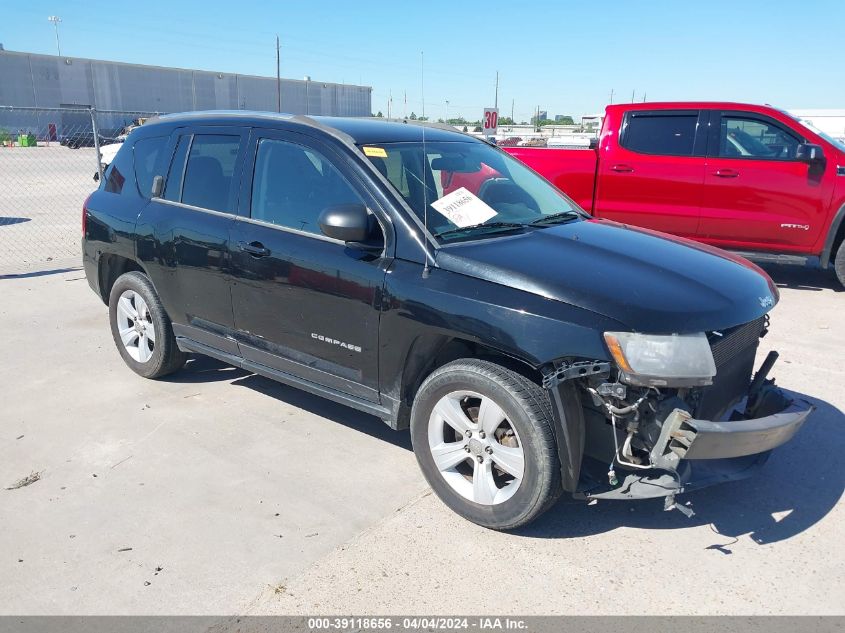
column 85, row 214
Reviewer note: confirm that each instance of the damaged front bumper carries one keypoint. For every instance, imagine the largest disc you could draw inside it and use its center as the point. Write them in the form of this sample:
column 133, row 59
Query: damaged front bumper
column 693, row 454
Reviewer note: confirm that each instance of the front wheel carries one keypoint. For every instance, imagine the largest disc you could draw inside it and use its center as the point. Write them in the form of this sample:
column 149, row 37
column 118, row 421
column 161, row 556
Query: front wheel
column 483, row 436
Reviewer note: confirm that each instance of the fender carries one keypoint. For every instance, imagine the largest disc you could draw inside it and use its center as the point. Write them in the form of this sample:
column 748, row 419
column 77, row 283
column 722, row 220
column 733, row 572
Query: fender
column 827, row 252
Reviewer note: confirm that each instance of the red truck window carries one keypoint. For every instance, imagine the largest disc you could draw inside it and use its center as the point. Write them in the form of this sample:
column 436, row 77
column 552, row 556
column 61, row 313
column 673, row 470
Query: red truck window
column 669, row 134
column 748, row 137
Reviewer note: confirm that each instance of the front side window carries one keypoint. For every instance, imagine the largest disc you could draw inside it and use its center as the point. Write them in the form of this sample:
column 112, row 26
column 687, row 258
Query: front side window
column 294, row 184
column 741, row 137
column 209, row 172
column 661, row 134
column 468, row 189
column 147, row 152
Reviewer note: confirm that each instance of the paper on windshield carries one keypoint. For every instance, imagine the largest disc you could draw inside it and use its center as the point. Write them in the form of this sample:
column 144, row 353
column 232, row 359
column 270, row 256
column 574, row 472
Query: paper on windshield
column 463, row 208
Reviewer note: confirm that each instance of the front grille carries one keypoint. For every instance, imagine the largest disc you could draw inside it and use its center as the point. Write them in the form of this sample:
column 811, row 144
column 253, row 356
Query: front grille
column 734, row 353
column 735, row 341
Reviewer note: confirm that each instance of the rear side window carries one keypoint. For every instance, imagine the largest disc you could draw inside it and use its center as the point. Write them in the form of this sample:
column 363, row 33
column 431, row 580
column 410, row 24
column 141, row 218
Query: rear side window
column 209, row 172
column 202, row 171
column 147, row 152
column 663, row 134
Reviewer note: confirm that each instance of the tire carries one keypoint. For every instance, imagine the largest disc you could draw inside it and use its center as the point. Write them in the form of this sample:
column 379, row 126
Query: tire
column 463, row 388
column 839, row 263
column 150, row 349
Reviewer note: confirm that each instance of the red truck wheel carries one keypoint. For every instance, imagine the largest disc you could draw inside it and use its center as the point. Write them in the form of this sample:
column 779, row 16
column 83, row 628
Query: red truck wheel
column 839, row 263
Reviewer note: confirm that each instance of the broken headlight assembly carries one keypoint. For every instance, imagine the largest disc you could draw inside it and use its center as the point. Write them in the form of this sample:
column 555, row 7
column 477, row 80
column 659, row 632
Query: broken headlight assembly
column 662, row 360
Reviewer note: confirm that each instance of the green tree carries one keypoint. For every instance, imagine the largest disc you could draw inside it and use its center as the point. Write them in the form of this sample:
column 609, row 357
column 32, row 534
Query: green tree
column 379, row 115
column 506, row 120
column 413, row 116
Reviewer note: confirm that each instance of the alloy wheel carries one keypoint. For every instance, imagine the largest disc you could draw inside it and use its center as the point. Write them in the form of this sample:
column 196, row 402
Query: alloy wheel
column 475, row 447
column 135, row 325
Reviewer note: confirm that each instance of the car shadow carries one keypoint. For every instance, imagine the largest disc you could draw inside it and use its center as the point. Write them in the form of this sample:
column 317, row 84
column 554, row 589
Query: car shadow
column 341, row 414
column 795, row 489
column 802, row 481
column 801, row 278
column 201, row 369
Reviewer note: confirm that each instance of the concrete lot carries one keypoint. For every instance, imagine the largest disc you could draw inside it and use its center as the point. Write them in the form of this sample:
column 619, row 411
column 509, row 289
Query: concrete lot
column 238, row 495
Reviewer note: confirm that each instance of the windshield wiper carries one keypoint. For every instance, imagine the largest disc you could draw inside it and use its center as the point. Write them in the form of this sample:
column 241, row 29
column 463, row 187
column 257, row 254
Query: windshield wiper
column 570, row 214
column 483, row 225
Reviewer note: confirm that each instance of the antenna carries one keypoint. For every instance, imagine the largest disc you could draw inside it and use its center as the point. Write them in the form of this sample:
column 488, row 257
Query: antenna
column 425, row 272
column 278, row 78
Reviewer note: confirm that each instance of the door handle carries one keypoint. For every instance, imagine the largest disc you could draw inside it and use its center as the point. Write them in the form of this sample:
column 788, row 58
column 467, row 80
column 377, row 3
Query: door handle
column 726, row 173
column 622, row 168
column 256, row 249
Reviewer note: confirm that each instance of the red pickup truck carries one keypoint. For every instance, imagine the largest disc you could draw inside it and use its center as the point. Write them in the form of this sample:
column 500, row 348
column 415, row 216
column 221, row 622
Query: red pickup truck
column 743, row 177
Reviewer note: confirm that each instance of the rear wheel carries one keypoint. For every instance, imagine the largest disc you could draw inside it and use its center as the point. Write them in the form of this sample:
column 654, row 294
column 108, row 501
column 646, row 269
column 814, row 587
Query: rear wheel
column 141, row 328
column 839, row 263
column 484, row 439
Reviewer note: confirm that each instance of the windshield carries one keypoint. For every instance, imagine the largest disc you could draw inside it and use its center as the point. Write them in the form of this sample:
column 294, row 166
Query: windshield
column 471, row 189
column 837, row 143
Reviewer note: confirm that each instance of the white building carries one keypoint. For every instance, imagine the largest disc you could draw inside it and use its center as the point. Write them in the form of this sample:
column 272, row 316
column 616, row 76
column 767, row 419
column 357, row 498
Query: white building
column 831, row 122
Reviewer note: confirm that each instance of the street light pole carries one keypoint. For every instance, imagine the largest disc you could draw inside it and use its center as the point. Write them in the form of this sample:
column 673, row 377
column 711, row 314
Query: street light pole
column 447, row 110
column 55, row 20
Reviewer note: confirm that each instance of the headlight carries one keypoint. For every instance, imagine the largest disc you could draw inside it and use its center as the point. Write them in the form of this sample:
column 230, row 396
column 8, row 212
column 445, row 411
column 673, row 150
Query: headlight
column 657, row 360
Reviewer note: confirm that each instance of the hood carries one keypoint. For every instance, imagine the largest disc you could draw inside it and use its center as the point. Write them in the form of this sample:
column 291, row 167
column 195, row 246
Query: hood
column 647, row 280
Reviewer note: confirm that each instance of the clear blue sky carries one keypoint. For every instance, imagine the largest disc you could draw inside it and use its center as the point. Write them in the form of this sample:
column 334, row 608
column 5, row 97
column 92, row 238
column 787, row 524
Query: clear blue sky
column 564, row 56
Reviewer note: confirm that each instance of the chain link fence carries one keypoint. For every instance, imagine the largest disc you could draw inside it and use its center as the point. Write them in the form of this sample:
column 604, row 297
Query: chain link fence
column 48, row 158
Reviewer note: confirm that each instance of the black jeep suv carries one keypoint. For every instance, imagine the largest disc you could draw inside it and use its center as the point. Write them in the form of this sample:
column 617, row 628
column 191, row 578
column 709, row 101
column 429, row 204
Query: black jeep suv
column 430, row 279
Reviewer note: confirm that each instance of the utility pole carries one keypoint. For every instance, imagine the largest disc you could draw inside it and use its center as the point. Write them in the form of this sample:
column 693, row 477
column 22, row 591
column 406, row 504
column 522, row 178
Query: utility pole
column 405, row 106
column 278, row 77
column 447, row 110
column 644, row 97
column 496, row 101
column 55, row 20
column 633, row 92
column 389, row 102
column 611, row 96
column 512, row 102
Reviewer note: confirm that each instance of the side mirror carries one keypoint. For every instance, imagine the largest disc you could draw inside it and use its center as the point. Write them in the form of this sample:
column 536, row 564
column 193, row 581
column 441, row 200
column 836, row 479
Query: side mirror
column 594, row 143
column 809, row 153
column 345, row 222
column 158, row 186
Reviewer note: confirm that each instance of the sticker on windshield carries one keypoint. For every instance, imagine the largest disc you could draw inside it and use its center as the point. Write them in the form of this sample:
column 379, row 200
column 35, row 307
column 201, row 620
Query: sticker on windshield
column 375, row 152
column 464, row 208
